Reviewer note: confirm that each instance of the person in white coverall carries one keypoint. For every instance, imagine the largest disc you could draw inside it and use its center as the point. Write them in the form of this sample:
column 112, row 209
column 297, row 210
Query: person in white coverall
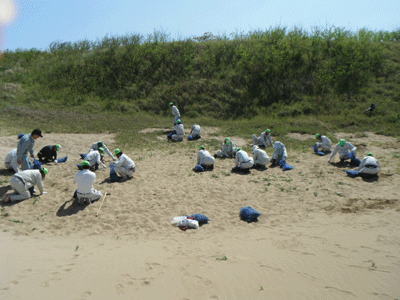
column 228, row 149
column 344, row 148
column 263, row 139
column 23, row 184
column 261, row 158
column 369, row 165
column 100, row 144
column 94, row 158
column 11, row 161
column 175, row 112
column 125, row 166
column 205, row 159
column 279, row 153
column 324, row 143
column 178, row 133
column 195, row 133
column 85, row 179
column 242, row 160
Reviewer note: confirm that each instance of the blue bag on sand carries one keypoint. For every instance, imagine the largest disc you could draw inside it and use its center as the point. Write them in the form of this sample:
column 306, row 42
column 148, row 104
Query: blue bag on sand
column 62, row 160
column 198, row 168
column 249, row 214
column 202, row 219
column 352, row 173
column 285, row 166
column 190, row 138
column 317, row 151
column 113, row 175
column 83, row 155
column 36, row 164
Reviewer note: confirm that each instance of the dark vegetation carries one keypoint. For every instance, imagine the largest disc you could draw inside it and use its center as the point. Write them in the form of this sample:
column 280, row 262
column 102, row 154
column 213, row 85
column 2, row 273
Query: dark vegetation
column 289, row 80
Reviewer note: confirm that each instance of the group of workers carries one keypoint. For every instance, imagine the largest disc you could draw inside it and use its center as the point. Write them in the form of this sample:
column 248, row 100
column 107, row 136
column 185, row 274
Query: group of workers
column 27, row 176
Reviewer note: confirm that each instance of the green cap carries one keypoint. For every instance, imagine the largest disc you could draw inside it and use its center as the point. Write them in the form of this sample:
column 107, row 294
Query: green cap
column 317, row 135
column 342, row 142
column 201, row 147
column 117, row 151
column 170, row 104
column 178, row 121
column 238, row 149
column 370, row 154
column 85, row 163
column 58, row 146
column 268, row 130
column 101, row 149
column 45, row 171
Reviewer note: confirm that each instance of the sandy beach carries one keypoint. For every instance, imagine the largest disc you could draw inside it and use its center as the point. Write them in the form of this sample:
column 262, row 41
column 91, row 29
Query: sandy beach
column 321, row 235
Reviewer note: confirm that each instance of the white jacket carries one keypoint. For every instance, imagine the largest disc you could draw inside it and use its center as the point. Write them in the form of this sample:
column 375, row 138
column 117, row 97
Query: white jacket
column 325, row 143
column 31, row 178
column 196, row 130
column 280, row 152
column 264, row 139
column 85, row 180
column 179, row 129
column 241, row 157
column 11, row 160
column 343, row 151
column 204, row 158
column 96, row 147
column 260, row 157
column 369, row 165
column 124, row 161
column 175, row 111
column 93, row 157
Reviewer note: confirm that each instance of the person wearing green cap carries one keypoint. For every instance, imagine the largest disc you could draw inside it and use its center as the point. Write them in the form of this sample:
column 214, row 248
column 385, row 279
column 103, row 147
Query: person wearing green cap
column 369, row 165
column 228, row 149
column 205, row 159
column 99, row 144
column 85, row 180
column 242, row 161
column 178, row 132
column 175, row 112
column 23, row 184
column 94, row 158
column 125, row 166
column 49, row 153
column 346, row 151
column 263, row 139
column 324, row 143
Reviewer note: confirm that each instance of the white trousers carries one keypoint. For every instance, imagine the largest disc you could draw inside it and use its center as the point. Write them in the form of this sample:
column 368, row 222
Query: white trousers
column 12, row 166
column 207, row 161
column 247, row 165
column 92, row 196
column 177, row 137
column 124, row 172
column 20, row 188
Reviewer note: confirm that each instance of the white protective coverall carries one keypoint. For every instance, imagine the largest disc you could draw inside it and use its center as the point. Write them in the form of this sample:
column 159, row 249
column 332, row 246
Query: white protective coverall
column 260, row 156
column 227, row 150
column 21, row 183
column 280, row 152
column 262, row 139
column 180, row 132
column 96, row 147
column 85, row 179
column 11, row 161
column 204, row 158
column 94, row 157
column 325, row 143
column 369, row 165
column 124, row 166
column 243, row 161
column 343, row 151
column 175, row 113
column 196, row 131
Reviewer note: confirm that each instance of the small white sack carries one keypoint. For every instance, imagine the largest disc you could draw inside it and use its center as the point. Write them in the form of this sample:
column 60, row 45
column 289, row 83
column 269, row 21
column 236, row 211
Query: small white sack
column 176, row 220
column 184, row 221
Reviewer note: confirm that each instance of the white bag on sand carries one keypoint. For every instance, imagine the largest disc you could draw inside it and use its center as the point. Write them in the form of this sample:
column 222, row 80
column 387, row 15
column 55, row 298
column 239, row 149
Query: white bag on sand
column 185, row 222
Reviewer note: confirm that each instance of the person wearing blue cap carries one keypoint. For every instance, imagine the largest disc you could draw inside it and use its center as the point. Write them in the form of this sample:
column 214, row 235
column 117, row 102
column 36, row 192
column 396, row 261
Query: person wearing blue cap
column 25, row 147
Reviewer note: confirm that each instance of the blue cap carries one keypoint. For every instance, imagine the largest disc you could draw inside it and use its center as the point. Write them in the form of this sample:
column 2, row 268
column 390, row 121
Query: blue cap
column 20, row 135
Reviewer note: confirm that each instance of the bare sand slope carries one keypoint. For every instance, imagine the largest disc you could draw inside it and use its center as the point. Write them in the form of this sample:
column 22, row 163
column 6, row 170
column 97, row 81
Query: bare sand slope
column 322, row 235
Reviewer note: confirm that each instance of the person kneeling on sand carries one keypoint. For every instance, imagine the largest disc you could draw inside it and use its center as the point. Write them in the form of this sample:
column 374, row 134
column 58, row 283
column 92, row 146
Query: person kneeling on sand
column 23, row 184
column 125, row 166
column 263, row 139
column 242, row 161
column 100, row 144
column 346, row 151
column 49, row 153
column 228, row 149
column 195, row 133
column 94, row 159
column 85, row 179
column 178, row 133
column 10, row 161
column 279, row 153
column 205, row 159
column 324, row 143
column 261, row 158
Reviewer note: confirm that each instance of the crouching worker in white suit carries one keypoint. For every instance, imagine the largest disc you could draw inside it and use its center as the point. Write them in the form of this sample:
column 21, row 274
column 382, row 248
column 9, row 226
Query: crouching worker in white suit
column 11, row 161
column 261, row 158
column 346, row 151
column 94, row 158
column 369, row 165
column 23, row 184
column 125, row 166
column 195, row 133
column 324, row 143
column 242, row 161
column 228, row 149
column 85, row 179
column 205, row 159
column 178, row 133
column 279, row 153
column 263, row 139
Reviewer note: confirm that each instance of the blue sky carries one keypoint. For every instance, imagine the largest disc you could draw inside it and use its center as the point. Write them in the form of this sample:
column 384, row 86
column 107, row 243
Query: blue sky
column 37, row 23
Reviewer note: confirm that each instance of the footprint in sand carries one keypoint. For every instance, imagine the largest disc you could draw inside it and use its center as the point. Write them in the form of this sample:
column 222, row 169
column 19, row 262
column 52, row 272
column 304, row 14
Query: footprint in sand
column 120, row 288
